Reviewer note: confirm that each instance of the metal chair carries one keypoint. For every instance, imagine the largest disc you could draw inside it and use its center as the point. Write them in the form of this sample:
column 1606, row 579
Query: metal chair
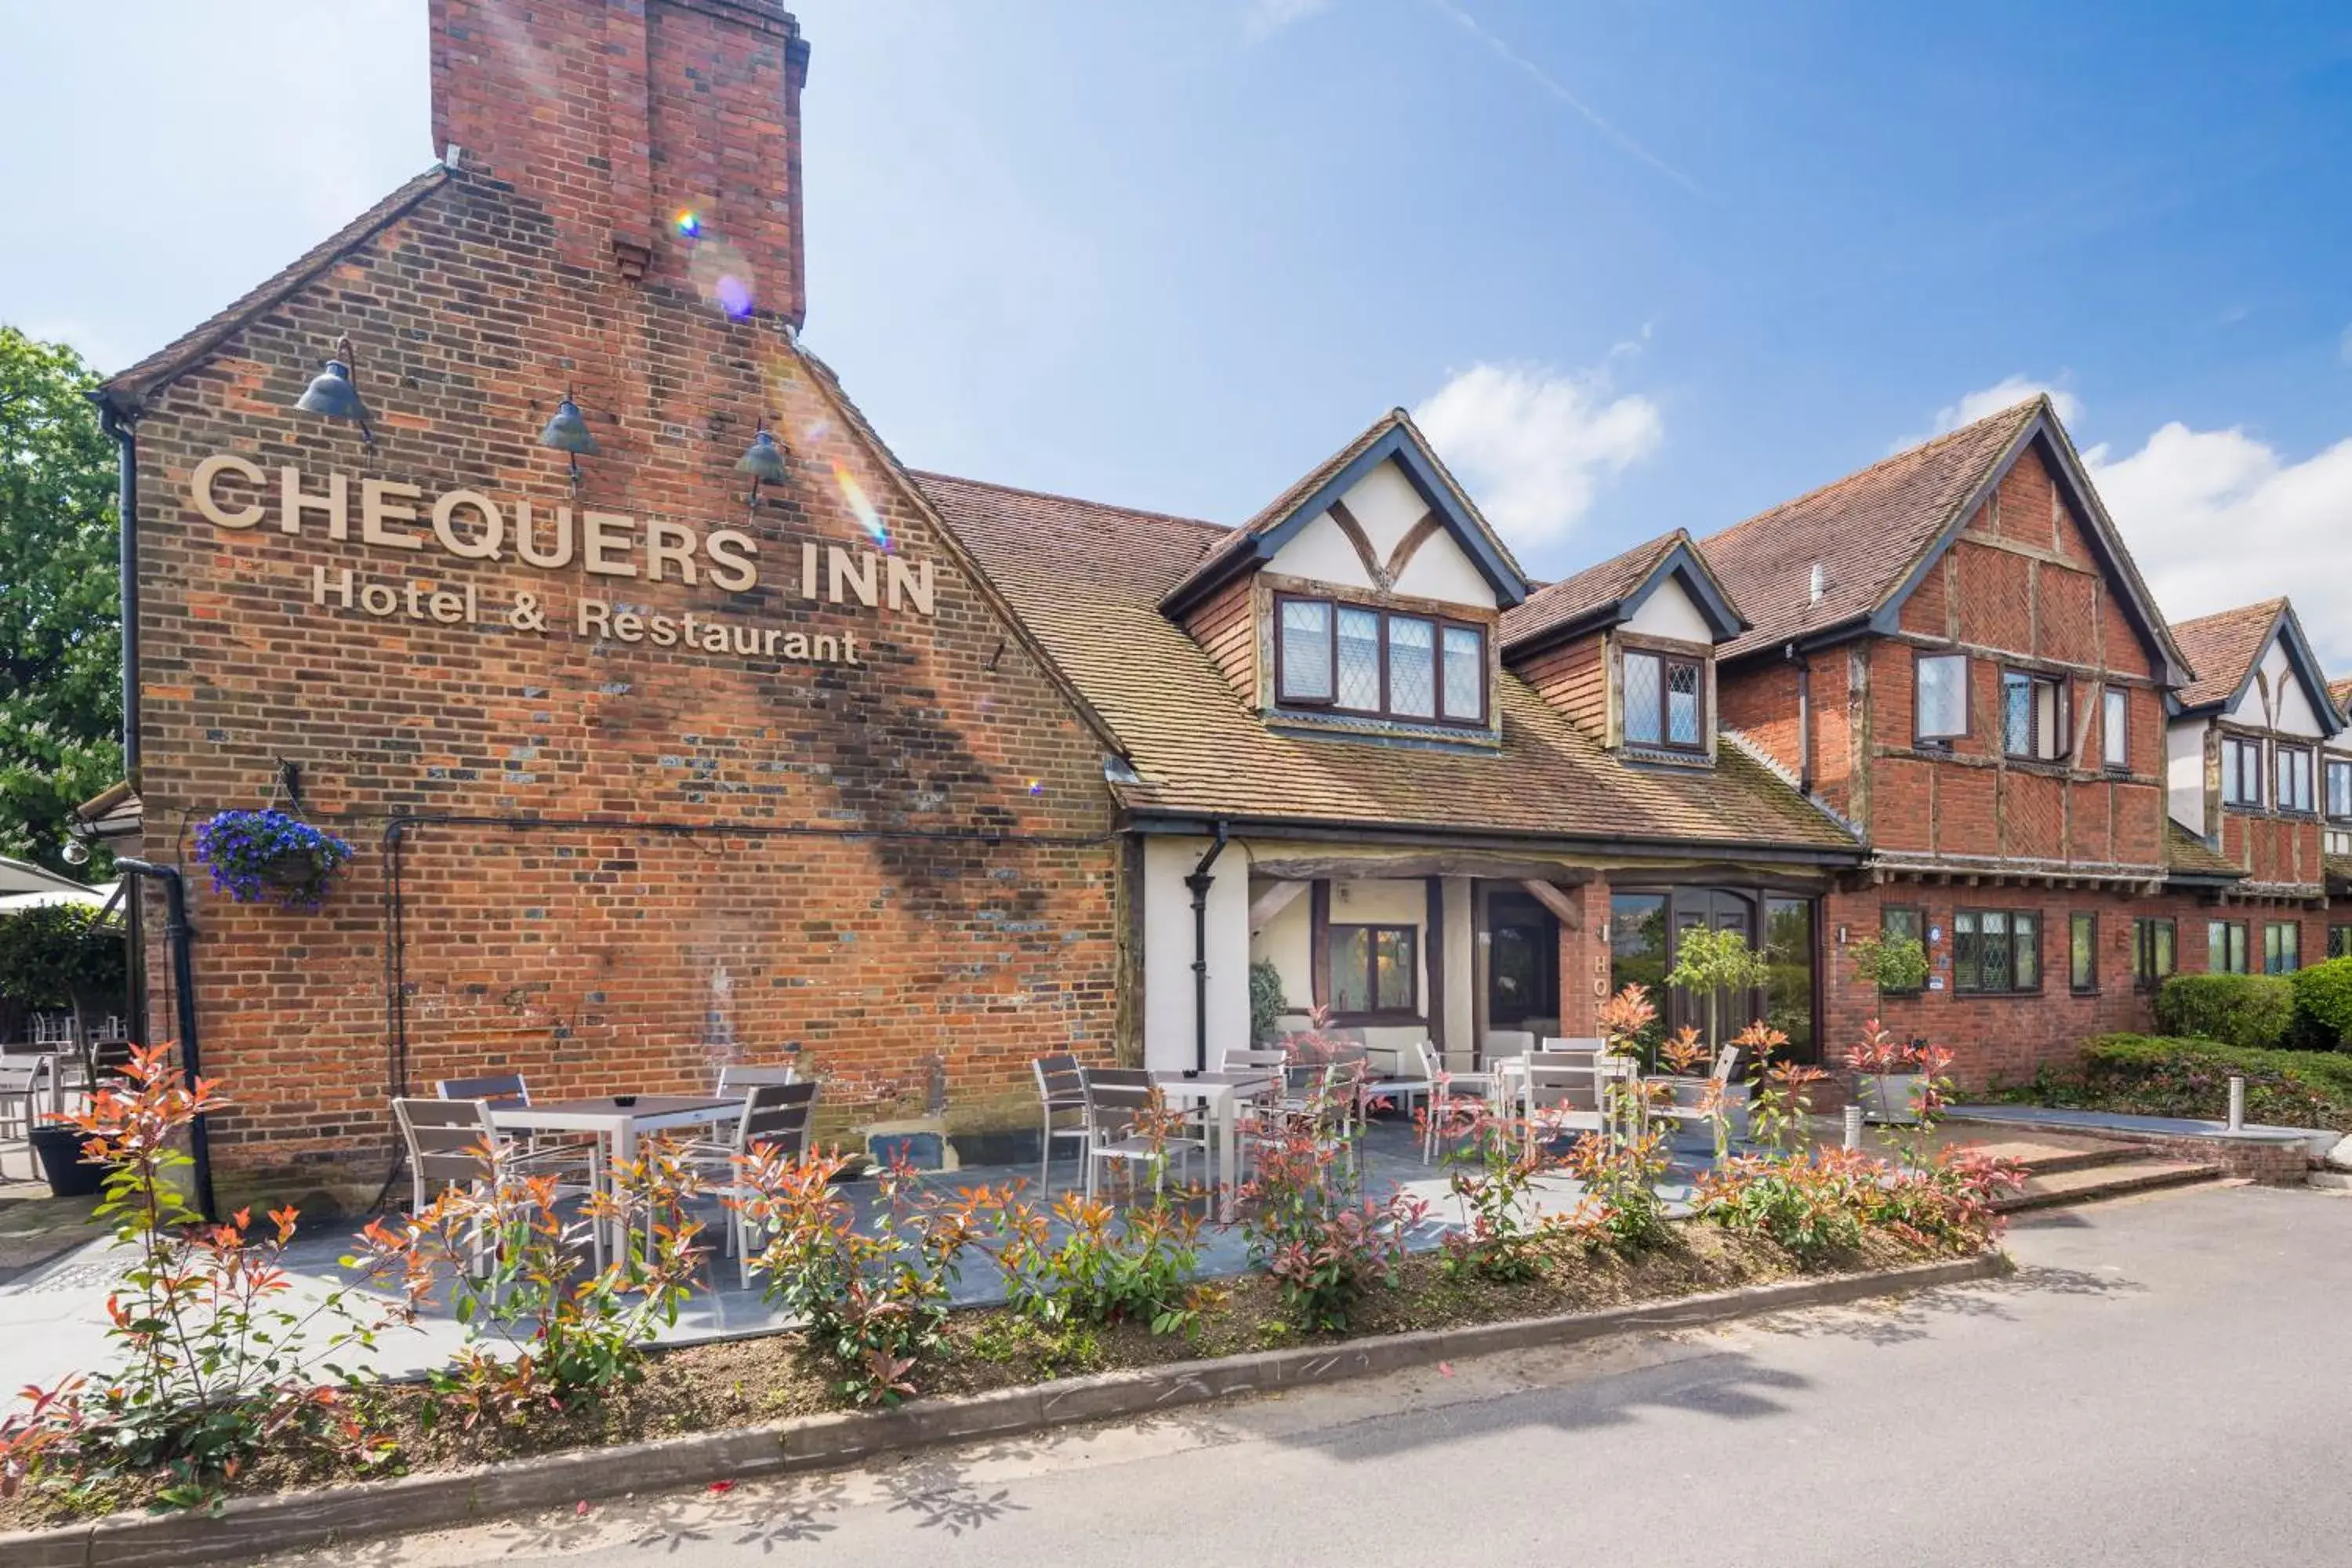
column 27, row 1088
column 741, row 1076
column 1061, row 1091
column 1564, row 1091
column 1678, row 1098
column 449, row 1141
column 503, row 1089
column 775, row 1115
column 1445, row 1086
column 1116, row 1099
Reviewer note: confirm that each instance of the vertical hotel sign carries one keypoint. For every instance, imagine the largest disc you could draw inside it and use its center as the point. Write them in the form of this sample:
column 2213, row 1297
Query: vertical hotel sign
column 240, row 495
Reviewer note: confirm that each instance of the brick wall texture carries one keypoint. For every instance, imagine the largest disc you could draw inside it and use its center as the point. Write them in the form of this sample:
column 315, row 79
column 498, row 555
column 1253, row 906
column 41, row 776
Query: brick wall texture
column 902, row 860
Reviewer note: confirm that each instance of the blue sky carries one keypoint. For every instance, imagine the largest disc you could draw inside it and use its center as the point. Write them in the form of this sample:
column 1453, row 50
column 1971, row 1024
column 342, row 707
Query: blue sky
column 1640, row 265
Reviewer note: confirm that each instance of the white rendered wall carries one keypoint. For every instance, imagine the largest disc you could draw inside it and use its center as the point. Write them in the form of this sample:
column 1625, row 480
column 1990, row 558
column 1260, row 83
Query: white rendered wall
column 1167, row 990
column 1669, row 613
column 1386, row 507
column 2290, row 711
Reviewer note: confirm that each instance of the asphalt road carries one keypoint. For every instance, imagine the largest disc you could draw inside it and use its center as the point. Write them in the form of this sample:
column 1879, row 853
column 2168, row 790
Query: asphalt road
column 2165, row 1382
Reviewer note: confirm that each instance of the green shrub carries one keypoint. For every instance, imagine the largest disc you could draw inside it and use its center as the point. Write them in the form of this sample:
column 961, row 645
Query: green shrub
column 2323, row 1003
column 2148, row 1075
column 1268, row 1001
column 2249, row 1010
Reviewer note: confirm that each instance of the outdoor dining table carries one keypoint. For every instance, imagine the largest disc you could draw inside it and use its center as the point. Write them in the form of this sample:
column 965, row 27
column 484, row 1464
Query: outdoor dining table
column 1221, row 1094
column 618, row 1119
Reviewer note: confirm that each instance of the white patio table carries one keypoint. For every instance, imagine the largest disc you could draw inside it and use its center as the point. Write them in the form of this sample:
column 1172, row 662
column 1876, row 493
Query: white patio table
column 1222, row 1094
column 618, row 1119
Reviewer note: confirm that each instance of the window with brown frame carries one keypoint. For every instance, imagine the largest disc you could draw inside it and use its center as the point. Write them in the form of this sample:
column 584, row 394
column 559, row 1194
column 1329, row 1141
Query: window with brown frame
column 2339, row 788
column 2293, row 763
column 2115, row 729
column 2242, row 773
column 1663, row 700
column 1902, row 921
column 1375, row 971
column 2082, row 954
column 1940, row 704
column 1386, row 664
column 2153, row 943
column 2032, row 716
column 1996, row 951
column 2282, row 947
column 2225, row 947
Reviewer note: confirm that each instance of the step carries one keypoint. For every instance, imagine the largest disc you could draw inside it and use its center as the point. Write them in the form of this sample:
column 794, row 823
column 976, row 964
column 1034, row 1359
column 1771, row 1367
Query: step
column 2050, row 1159
column 2114, row 1180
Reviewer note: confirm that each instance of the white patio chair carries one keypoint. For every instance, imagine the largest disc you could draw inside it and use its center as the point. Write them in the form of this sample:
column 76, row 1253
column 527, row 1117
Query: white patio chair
column 1061, row 1091
column 1564, row 1091
column 1686, row 1100
column 1446, row 1087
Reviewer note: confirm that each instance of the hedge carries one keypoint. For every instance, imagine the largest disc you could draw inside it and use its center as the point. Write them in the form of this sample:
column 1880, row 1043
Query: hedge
column 2149, row 1075
column 2249, row 1010
column 2323, row 1003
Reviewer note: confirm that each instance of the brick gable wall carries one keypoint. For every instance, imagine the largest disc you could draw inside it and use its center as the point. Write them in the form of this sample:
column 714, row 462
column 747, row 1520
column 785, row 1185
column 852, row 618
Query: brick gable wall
column 900, row 862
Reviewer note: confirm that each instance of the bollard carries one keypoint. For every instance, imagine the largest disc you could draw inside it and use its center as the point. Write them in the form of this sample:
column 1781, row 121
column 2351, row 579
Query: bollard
column 2236, row 1102
column 1853, row 1126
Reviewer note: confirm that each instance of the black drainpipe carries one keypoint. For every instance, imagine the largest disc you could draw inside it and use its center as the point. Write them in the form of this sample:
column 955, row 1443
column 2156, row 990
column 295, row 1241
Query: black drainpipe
column 1200, row 882
column 126, row 515
column 184, row 998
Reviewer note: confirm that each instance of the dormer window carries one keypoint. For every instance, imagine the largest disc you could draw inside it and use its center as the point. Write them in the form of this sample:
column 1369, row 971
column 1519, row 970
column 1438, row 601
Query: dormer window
column 1380, row 664
column 1664, row 701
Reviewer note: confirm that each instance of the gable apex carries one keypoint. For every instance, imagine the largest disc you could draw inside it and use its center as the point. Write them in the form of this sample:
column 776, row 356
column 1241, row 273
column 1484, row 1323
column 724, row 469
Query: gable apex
column 1393, row 439
column 1613, row 592
column 2230, row 647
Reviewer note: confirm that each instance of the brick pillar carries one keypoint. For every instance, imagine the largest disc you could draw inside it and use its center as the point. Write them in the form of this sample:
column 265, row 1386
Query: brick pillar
column 1584, row 959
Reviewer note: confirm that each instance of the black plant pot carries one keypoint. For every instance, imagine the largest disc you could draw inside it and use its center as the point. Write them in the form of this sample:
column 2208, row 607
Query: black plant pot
column 70, row 1177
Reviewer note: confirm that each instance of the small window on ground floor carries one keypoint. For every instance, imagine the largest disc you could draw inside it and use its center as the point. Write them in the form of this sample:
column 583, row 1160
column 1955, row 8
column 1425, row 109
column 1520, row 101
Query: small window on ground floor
column 2339, row 941
column 1996, row 951
column 2282, row 947
column 2225, row 947
column 2082, row 953
column 1374, row 969
column 2152, row 953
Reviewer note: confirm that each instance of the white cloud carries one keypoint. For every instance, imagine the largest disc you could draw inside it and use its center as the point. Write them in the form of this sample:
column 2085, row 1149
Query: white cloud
column 2004, row 393
column 1267, row 18
column 1532, row 442
column 2218, row 518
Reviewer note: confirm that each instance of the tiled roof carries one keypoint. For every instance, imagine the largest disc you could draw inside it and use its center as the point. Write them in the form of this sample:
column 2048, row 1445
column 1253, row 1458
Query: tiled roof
column 2222, row 647
column 129, row 387
column 1596, row 588
column 1866, row 532
column 2340, row 692
column 2338, row 869
column 1589, row 589
column 2187, row 854
column 1088, row 580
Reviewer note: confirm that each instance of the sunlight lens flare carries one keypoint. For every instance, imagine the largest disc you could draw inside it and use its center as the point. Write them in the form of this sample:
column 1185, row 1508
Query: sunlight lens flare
column 860, row 507
column 690, row 223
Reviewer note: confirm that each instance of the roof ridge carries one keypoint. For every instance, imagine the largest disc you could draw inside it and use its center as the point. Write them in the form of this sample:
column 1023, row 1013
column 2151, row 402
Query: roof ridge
column 1908, row 454
column 2272, row 605
column 1066, row 497
column 129, row 387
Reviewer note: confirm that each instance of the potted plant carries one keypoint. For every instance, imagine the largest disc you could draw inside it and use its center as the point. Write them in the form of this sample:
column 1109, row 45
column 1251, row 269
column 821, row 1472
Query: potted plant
column 270, row 857
column 1267, row 1001
column 1892, row 962
column 1894, row 1079
column 1716, row 964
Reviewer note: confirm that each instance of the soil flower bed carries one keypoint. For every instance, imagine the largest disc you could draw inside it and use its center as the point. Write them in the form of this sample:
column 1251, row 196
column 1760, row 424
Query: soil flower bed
column 223, row 1382
column 731, row 1383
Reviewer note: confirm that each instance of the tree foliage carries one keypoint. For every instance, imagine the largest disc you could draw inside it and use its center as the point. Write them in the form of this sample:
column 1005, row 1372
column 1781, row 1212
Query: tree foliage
column 60, row 617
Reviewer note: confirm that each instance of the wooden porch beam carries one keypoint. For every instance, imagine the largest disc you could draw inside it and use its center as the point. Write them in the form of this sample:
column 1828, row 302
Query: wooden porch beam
column 1272, row 902
column 1549, row 895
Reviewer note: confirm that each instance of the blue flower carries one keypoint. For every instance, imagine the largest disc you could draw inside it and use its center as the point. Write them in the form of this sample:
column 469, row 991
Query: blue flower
column 259, row 857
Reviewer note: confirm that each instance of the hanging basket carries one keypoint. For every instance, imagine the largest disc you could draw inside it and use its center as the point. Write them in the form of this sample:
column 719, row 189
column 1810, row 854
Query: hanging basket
column 270, row 858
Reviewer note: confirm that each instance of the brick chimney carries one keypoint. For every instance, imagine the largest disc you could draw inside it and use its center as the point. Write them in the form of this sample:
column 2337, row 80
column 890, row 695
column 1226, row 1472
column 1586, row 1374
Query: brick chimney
column 618, row 115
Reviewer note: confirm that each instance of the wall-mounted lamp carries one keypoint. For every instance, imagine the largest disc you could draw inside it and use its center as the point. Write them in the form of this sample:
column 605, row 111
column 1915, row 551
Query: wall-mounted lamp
column 334, row 394
column 567, row 431
column 764, row 461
